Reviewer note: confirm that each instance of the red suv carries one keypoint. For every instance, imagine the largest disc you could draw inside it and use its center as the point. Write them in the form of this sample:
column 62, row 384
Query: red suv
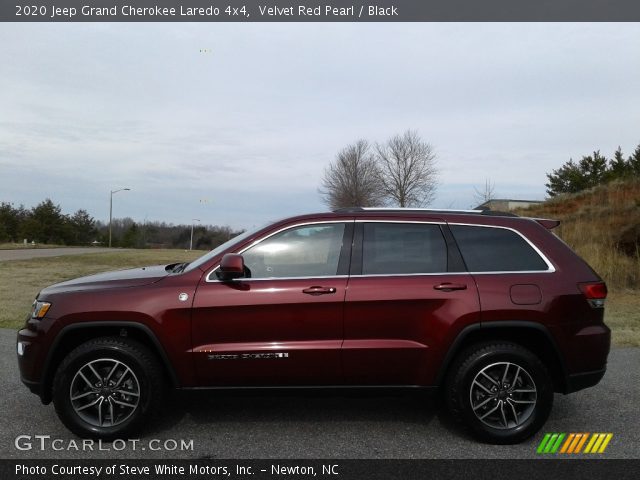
column 492, row 308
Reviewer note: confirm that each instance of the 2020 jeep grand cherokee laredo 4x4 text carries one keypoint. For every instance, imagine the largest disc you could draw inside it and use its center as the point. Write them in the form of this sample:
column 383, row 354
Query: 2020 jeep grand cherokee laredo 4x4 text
column 495, row 309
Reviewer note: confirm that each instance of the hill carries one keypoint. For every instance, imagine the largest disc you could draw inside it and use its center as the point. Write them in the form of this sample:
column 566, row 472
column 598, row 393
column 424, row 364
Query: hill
column 602, row 224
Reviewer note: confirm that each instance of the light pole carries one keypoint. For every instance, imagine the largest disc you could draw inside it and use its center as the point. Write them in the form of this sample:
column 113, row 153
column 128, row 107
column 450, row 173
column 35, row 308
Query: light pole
column 191, row 242
column 111, row 209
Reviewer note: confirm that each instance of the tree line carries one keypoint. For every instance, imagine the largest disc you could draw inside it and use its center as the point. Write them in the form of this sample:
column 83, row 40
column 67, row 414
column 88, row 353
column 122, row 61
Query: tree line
column 400, row 172
column 592, row 170
column 46, row 224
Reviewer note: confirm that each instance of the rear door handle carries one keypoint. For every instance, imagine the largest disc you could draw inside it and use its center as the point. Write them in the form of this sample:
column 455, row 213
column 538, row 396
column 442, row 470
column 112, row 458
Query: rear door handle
column 449, row 287
column 319, row 290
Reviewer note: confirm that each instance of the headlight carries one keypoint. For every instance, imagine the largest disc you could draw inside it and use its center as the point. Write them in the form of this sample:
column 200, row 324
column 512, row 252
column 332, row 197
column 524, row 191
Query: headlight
column 39, row 309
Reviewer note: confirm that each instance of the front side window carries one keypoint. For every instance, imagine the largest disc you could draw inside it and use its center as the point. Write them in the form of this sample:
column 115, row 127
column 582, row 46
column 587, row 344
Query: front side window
column 487, row 249
column 305, row 251
column 403, row 248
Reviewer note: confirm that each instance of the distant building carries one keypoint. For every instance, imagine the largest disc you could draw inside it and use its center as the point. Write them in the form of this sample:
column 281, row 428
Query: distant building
column 507, row 205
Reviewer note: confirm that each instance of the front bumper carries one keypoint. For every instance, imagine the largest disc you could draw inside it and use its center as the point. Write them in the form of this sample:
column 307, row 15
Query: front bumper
column 29, row 352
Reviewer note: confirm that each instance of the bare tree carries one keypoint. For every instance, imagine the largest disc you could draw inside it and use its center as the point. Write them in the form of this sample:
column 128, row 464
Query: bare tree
column 486, row 194
column 407, row 170
column 353, row 179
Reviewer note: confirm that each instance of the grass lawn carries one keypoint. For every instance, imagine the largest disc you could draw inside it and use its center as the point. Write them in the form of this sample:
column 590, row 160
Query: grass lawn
column 21, row 280
column 622, row 315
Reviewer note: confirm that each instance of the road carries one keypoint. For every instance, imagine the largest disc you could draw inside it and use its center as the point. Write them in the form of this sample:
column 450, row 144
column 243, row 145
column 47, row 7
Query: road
column 326, row 425
column 28, row 253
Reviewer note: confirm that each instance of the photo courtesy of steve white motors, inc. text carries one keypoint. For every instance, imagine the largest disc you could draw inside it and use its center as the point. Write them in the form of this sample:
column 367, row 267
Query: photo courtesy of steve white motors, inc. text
column 221, row 11
column 170, row 469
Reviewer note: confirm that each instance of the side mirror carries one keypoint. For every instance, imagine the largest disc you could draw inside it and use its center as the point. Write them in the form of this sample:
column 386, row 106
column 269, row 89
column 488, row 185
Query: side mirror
column 231, row 266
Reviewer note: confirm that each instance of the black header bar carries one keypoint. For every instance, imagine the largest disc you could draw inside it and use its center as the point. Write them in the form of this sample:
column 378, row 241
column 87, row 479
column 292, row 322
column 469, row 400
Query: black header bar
column 320, row 11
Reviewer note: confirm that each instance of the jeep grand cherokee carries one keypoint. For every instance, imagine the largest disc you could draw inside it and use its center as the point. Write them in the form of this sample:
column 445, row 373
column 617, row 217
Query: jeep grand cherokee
column 493, row 309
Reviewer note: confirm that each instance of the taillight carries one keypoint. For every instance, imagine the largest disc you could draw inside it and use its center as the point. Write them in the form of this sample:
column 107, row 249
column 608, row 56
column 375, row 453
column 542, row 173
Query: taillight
column 594, row 292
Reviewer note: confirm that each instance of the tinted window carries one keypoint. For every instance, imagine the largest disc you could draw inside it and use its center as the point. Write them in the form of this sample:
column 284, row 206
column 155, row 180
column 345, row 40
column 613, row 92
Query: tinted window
column 309, row 251
column 496, row 250
column 397, row 248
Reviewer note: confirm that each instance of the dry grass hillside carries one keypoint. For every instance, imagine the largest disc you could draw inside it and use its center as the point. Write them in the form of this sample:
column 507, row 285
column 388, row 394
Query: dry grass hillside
column 603, row 225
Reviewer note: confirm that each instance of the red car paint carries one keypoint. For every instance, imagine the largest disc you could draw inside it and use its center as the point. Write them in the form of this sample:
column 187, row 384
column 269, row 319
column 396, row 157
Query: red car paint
column 348, row 329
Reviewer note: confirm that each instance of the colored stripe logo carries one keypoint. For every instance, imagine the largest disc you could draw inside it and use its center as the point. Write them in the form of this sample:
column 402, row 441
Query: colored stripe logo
column 573, row 443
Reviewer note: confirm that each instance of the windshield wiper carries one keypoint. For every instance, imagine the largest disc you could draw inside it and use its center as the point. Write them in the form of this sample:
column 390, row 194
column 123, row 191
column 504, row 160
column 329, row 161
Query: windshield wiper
column 176, row 267
column 180, row 267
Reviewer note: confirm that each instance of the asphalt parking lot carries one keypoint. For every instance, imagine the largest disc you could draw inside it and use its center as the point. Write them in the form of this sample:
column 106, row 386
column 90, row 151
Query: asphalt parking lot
column 320, row 424
column 28, row 253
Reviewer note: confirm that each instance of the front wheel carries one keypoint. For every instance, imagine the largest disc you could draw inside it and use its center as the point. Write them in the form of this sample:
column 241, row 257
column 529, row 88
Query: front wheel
column 501, row 391
column 107, row 388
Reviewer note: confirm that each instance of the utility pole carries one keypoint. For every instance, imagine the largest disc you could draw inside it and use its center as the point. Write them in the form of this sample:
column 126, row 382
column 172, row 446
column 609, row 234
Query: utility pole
column 111, row 209
column 191, row 242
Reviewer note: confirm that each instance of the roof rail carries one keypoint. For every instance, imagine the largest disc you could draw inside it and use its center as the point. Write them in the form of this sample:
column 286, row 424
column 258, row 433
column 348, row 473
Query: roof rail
column 484, row 211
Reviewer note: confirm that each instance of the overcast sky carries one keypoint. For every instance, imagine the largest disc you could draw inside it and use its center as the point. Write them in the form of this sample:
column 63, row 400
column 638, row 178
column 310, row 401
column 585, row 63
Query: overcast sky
column 247, row 116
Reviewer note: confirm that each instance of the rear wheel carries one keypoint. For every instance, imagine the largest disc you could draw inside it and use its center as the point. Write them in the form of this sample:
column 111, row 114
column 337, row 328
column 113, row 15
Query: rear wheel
column 107, row 388
column 501, row 391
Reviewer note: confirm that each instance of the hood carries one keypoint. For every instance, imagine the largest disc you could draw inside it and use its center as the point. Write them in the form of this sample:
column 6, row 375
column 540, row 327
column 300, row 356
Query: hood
column 133, row 277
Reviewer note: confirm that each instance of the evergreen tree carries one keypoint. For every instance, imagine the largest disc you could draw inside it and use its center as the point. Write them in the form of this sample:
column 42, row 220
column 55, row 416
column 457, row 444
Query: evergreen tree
column 634, row 162
column 618, row 166
column 566, row 179
column 45, row 224
column 83, row 228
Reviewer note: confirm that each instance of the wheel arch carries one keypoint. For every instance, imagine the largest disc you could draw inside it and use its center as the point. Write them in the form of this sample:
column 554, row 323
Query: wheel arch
column 73, row 335
column 531, row 335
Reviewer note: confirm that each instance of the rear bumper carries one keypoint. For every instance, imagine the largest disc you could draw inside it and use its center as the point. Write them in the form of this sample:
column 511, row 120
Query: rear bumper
column 587, row 350
column 579, row 381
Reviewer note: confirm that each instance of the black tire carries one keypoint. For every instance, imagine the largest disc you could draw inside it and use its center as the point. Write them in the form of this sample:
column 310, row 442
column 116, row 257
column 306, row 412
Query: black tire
column 113, row 417
column 510, row 414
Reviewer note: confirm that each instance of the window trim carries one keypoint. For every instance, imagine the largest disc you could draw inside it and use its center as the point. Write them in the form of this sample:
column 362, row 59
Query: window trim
column 550, row 267
column 347, row 235
column 356, row 249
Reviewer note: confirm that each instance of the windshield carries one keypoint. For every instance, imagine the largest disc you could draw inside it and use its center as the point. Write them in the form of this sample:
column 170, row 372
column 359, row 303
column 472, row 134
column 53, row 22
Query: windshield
column 221, row 248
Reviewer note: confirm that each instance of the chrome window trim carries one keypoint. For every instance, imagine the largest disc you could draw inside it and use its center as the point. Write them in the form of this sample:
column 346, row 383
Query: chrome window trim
column 550, row 267
column 277, row 278
column 256, row 242
column 442, row 274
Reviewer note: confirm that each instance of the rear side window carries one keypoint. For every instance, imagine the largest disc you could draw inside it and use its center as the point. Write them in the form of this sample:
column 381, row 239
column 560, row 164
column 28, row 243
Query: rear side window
column 403, row 248
column 487, row 249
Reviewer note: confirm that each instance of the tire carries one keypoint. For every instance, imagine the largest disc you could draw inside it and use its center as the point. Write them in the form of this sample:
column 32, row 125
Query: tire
column 91, row 408
column 501, row 391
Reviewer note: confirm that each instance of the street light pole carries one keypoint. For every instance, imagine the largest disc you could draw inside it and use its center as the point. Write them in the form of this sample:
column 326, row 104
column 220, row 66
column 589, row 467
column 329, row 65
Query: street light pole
column 191, row 242
column 111, row 209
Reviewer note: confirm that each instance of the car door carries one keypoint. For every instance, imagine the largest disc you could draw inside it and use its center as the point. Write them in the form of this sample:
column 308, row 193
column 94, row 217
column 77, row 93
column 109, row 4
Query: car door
column 408, row 297
column 282, row 324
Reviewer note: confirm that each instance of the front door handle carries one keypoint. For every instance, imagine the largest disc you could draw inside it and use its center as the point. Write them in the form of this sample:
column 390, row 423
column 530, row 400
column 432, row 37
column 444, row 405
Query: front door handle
column 319, row 290
column 449, row 287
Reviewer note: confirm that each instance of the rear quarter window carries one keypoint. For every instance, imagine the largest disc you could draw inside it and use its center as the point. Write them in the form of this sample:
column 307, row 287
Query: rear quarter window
column 491, row 249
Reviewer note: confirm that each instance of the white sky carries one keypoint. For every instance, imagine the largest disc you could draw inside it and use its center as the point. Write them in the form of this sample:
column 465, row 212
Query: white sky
column 251, row 123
